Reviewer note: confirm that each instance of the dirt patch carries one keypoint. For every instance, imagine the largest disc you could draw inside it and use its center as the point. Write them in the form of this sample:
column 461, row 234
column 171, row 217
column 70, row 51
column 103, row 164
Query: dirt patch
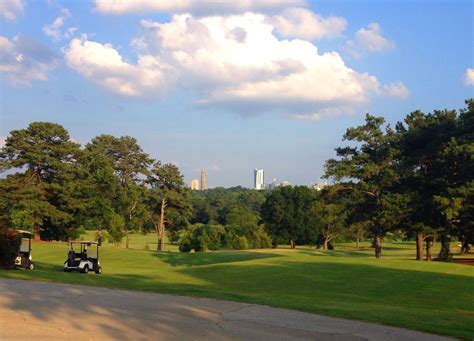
column 464, row 261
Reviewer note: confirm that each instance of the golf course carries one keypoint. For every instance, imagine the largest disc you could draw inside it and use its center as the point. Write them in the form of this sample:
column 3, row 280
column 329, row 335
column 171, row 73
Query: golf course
column 395, row 290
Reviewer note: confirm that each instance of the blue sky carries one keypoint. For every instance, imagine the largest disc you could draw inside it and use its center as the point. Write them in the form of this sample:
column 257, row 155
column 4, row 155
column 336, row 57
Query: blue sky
column 231, row 86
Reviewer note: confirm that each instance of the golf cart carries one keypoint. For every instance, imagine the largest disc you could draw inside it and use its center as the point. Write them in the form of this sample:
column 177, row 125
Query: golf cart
column 83, row 257
column 24, row 259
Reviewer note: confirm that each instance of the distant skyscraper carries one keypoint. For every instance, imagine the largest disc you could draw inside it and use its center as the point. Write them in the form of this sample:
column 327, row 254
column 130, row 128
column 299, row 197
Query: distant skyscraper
column 203, row 180
column 272, row 184
column 195, row 184
column 258, row 179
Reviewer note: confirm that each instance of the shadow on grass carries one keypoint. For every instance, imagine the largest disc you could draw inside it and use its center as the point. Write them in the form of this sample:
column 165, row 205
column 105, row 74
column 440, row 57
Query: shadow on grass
column 406, row 298
column 335, row 253
column 398, row 297
column 210, row 258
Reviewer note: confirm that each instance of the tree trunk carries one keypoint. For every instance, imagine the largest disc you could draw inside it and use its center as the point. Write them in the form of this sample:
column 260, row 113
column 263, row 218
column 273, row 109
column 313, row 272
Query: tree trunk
column 428, row 248
column 357, row 240
column 325, row 244
column 292, row 244
column 464, row 246
column 161, row 227
column 378, row 245
column 99, row 236
column 444, row 254
column 419, row 245
column 37, row 236
column 126, row 241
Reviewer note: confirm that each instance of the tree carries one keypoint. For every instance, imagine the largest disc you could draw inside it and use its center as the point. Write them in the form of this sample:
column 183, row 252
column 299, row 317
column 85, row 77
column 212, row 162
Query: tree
column 49, row 191
column 130, row 167
column 167, row 193
column 287, row 215
column 103, row 186
column 435, row 171
column 331, row 214
column 367, row 168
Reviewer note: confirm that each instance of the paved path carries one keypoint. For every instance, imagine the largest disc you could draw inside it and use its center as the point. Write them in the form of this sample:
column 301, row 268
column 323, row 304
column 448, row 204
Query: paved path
column 38, row 310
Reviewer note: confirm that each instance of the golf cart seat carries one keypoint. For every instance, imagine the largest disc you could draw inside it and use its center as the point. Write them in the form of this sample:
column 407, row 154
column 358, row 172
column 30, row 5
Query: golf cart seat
column 71, row 258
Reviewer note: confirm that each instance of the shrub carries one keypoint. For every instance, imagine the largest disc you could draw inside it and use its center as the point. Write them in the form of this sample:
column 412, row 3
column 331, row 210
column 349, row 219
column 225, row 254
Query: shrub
column 9, row 247
column 185, row 246
column 201, row 243
column 116, row 229
column 239, row 243
column 259, row 238
column 274, row 244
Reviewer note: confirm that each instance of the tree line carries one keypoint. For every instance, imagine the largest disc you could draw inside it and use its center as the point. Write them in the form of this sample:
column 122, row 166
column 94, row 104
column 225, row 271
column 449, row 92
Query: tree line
column 57, row 189
column 415, row 178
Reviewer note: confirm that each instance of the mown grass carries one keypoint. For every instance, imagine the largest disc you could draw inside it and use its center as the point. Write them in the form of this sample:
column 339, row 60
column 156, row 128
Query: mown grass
column 395, row 290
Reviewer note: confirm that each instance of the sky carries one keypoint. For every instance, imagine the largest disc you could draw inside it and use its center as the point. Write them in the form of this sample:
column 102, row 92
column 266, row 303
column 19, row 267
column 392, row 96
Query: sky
column 229, row 86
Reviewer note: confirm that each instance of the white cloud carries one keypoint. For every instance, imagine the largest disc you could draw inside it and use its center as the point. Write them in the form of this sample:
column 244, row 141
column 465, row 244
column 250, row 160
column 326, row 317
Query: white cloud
column 10, row 9
column 469, row 77
column 235, row 62
column 302, row 23
column 3, row 140
column 102, row 64
column 396, row 89
column 197, row 7
column 54, row 30
column 368, row 40
column 24, row 59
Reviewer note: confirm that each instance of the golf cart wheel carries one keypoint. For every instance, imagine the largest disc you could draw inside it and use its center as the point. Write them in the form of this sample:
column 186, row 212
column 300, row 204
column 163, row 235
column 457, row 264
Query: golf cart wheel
column 98, row 270
column 86, row 269
column 31, row 266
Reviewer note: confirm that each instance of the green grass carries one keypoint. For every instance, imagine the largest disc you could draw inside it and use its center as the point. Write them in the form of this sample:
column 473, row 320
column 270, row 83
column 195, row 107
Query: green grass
column 395, row 290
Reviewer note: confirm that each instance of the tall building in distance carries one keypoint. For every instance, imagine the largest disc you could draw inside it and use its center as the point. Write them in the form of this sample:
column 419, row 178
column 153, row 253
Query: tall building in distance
column 258, row 179
column 195, row 184
column 203, row 180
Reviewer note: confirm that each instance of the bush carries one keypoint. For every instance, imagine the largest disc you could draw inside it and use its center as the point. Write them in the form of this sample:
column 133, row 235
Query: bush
column 201, row 243
column 9, row 247
column 202, row 237
column 274, row 244
column 116, row 229
column 185, row 246
column 259, row 238
column 239, row 243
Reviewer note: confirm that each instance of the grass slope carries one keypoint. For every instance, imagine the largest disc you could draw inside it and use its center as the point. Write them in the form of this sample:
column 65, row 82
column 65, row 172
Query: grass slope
column 395, row 290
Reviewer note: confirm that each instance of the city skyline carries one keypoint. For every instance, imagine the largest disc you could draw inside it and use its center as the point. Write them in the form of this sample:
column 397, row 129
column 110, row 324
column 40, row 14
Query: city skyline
column 225, row 89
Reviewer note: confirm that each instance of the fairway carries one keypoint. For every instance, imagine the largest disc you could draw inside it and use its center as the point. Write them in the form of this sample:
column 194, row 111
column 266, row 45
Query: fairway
column 395, row 290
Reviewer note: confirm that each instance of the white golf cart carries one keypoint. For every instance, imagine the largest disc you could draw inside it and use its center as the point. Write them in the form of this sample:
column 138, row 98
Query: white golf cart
column 83, row 257
column 24, row 259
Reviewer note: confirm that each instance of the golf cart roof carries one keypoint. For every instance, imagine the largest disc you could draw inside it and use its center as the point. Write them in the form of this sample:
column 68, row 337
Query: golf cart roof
column 82, row 242
column 23, row 231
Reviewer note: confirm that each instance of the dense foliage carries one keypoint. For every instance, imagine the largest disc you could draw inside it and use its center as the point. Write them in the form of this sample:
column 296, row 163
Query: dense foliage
column 9, row 247
column 418, row 177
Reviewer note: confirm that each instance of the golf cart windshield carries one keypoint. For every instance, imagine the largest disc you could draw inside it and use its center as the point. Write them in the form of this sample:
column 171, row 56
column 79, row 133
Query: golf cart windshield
column 25, row 245
column 85, row 249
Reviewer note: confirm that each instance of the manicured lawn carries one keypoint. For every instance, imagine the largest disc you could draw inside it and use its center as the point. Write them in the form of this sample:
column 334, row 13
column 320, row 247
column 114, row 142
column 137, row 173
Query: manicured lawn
column 395, row 290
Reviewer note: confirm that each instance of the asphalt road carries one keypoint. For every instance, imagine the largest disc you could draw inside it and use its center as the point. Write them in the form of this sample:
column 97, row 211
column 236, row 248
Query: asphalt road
column 38, row 310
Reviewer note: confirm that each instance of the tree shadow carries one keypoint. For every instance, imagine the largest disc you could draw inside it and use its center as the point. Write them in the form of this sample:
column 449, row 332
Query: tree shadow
column 210, row 258
column 94, row 312
column 398, row 297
